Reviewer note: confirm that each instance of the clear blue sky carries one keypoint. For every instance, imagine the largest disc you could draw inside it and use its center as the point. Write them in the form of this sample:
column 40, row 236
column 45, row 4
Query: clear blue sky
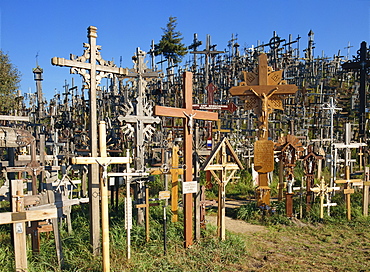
column 59, row 27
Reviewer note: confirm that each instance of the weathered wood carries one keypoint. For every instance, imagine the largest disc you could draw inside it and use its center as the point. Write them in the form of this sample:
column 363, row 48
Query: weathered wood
column 92, row 72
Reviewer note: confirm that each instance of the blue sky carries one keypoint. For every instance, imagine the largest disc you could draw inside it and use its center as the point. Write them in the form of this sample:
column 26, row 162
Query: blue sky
column 58, row 28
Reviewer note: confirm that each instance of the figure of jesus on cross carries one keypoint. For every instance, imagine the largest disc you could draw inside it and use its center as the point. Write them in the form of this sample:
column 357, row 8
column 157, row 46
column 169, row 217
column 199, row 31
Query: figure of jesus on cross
column 263, row 91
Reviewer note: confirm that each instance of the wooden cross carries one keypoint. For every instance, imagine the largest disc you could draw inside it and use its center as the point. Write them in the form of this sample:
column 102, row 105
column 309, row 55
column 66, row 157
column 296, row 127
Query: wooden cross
column 139, row 120
column 347, row 145
column 348, row 190
column 189, row 115
column 104, row 161
column 226, row 169
column 92, row 67
column 18, row 217
column 323, row 190
column 263, row 91
column 174, row 171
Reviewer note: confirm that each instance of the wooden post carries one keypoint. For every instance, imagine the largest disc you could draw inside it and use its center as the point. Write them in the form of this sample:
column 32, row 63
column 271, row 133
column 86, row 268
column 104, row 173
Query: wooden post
column 365, row 201
column 19, row 229
column 188, row 114
column 104, row 161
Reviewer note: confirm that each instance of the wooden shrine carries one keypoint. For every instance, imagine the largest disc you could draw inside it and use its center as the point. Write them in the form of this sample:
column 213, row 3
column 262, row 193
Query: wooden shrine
column 223, row 164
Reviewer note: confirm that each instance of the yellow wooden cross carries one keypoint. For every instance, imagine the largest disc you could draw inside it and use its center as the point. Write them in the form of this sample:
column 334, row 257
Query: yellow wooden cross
column 323, row 190
column 348, row 190
column 104, row 161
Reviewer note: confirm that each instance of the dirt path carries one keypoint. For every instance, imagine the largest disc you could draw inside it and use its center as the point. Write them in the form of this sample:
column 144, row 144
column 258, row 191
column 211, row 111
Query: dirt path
column 238, row 226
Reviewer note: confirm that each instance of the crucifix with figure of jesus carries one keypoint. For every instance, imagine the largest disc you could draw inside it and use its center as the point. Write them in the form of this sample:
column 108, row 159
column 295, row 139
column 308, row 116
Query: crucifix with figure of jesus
column 263, row 91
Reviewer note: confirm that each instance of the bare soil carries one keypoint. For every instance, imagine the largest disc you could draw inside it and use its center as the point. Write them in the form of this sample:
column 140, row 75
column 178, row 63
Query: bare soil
column 237, row 226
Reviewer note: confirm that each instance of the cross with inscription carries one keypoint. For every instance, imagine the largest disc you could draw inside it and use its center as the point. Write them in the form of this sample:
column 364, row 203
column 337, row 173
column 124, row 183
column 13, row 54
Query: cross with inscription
column 92, row 68
column 263, row 91
column 189, row 115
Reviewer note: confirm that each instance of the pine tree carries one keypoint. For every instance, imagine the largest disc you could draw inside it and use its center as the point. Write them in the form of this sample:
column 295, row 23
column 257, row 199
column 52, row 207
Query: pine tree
column 170, row 45
column 9, row 83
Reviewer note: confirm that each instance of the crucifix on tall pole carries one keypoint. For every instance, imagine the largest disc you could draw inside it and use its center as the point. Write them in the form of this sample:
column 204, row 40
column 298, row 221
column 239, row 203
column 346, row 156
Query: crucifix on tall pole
column 189, row 115
column 263, row 91
column 92, row 68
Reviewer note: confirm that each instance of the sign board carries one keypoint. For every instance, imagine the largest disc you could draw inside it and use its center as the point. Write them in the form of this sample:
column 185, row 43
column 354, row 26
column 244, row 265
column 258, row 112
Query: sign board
column 164, row 195
column 189, row 187
column 264, row 156
column 128, row 213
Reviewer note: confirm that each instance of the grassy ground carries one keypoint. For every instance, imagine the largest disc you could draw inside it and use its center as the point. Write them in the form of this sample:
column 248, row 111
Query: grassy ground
column 335, row 245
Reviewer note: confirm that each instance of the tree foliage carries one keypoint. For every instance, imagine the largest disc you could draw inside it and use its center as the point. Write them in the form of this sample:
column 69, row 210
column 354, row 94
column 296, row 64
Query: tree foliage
column 170, row 45
column 9, row 83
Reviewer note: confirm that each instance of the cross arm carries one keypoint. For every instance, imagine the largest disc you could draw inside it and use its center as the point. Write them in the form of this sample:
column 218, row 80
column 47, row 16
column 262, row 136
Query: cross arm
column 263, row 89
column 15, row 217
column 85, row 65
column 229, row 166
column 101, row 160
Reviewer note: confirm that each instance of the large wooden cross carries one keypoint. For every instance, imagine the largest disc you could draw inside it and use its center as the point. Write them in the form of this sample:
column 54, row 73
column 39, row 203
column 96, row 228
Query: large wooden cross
column 226, row 170
column 263, row 91
column 104, row 161
column 189, row 115
column 92, row 67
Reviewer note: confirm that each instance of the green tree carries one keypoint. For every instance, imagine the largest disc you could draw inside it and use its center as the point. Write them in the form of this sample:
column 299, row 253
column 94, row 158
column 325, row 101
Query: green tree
column 9, row 83
column 170, row 45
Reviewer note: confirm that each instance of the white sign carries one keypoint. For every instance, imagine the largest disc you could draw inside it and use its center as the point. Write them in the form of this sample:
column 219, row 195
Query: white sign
column 189, row 187
column 164, row 195
column 128, row 213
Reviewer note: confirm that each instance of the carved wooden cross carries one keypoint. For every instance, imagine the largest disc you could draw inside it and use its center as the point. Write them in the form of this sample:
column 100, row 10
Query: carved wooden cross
column 226, row 170
column 92, row 67
column 263, row 91
column 189, row 115
column 104, row 161
column 323, row 190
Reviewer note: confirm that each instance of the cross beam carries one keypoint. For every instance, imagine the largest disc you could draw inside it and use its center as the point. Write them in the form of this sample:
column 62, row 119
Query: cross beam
column 189, row 115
